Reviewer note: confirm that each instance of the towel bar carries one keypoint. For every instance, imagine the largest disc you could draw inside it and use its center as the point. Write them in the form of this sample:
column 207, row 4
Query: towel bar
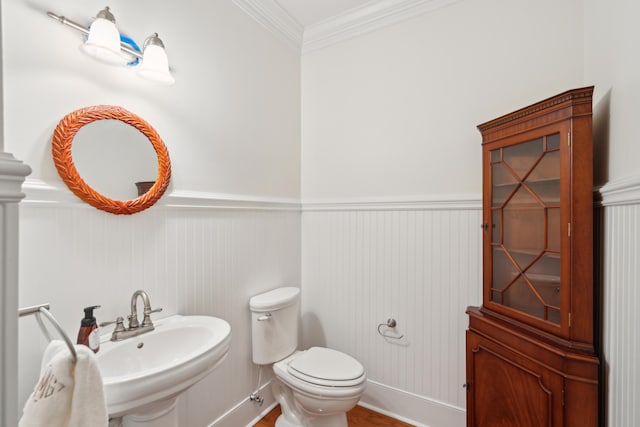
column 391, row 323
column 44, row 309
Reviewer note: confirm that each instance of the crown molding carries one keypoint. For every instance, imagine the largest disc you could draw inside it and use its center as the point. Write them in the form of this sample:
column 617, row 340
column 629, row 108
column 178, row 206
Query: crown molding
column 353, row 22
column 366, row 18
column 275, row 19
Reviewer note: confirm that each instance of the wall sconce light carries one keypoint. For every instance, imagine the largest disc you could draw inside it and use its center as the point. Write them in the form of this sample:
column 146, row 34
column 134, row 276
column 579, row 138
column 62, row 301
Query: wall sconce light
column 105, row 43
column 155, row 65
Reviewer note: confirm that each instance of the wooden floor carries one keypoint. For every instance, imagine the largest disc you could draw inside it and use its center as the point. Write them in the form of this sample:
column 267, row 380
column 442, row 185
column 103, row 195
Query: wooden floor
column 357, row 417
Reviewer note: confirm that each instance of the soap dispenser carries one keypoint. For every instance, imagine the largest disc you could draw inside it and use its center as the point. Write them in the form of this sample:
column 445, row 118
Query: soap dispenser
column 88, row 333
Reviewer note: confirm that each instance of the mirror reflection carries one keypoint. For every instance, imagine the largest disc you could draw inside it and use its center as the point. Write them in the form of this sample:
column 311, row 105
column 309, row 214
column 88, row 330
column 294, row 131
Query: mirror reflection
column 112, row 157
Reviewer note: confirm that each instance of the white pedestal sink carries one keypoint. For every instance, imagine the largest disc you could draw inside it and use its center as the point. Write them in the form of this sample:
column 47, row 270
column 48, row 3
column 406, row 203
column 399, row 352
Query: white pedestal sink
column 143, row 375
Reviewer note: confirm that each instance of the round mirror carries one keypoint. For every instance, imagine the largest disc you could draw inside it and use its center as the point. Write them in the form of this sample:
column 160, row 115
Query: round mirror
column 114, row 155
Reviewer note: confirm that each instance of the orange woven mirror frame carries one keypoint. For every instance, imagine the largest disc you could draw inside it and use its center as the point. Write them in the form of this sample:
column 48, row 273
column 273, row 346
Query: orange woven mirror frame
column 61, row 144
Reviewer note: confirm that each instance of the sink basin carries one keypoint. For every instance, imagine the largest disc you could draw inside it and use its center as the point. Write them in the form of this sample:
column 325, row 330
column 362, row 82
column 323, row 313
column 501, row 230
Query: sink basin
column 146, row 372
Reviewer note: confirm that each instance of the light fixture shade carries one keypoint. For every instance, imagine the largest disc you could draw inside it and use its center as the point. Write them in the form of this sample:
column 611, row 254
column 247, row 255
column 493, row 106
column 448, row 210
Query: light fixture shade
column 155, row 64
column 103, row 42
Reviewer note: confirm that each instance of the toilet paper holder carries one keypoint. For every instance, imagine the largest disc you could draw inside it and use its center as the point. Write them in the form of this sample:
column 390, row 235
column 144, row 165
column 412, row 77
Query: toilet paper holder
column 391, row 323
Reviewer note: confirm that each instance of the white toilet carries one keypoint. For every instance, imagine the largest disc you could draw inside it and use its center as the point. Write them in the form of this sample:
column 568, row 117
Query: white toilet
column 315, row 387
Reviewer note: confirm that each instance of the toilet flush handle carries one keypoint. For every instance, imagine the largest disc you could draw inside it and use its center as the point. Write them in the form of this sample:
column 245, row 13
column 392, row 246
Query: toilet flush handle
column 265, row 317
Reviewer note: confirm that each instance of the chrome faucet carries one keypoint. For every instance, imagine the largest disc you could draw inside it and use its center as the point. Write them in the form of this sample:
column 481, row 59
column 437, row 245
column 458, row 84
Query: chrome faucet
column 135, row 327
column 133, row 317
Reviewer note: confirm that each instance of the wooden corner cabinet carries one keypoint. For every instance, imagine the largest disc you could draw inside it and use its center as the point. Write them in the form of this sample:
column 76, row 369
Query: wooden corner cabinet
column 531, row 360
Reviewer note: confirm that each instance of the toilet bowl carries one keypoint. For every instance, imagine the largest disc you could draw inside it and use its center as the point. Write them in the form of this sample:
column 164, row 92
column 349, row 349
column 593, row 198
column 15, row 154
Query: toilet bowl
column 315, row 387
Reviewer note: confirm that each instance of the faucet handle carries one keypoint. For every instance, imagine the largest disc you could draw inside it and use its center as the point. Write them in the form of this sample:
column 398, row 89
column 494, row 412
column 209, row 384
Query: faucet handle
column 119, row 324
column 147, row 318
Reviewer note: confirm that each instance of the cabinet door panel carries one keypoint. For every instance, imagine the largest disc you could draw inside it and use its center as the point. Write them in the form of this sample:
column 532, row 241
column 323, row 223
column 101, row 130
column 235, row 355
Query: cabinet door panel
column 509, row 390
column 524, row 248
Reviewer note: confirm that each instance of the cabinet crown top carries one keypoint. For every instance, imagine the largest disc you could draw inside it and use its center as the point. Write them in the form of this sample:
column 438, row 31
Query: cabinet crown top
column 565, row 100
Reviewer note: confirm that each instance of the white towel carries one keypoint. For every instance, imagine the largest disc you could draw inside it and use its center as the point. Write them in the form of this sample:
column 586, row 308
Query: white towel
column 68, row 394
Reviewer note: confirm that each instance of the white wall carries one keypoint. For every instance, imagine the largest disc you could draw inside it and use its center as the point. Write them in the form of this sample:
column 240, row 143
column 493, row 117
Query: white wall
column 232, row 127
column 231, row 122
column 394, row 112
column 391, row 182
column 611, row 36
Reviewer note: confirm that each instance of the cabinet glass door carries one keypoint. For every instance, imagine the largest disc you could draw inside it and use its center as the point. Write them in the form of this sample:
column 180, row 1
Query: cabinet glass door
column 525, row 233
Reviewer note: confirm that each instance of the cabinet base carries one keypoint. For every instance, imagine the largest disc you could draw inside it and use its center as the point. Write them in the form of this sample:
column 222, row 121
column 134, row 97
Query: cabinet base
column 518, row 379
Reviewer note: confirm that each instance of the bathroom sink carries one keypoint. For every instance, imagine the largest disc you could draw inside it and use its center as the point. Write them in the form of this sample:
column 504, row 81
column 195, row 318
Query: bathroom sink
column 146, row 372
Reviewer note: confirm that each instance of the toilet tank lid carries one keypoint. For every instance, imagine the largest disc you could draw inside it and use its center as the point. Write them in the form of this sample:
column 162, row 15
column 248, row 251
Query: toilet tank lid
column 274, row 299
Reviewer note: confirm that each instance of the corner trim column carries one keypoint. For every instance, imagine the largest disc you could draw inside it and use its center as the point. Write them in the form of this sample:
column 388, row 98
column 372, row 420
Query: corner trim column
column 12, row 175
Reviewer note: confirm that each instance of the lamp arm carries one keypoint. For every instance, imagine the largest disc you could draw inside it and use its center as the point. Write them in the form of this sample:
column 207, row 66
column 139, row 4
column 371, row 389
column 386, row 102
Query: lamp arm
column 68, row 22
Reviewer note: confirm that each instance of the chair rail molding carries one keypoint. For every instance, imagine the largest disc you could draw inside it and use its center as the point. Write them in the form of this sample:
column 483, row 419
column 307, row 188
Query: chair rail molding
column 43, row 193
column 12, row 175
column 624, row 191
column 400, row 203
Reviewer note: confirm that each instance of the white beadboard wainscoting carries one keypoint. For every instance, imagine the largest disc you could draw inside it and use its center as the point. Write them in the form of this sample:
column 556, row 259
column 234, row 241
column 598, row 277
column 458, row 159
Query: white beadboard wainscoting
column 621, row 300
column 193, row 254
column 417, row 261
column 360, row 263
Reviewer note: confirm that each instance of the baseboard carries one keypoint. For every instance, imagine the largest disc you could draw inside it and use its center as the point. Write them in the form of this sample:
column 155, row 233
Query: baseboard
column 401, row 405
column 411, row 408
column 247, row 410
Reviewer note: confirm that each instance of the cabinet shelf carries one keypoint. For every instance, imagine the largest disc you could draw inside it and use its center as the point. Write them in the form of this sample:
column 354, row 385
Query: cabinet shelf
column 525, row 251
column 543, row 278
column 555, row 203
column 553, row 181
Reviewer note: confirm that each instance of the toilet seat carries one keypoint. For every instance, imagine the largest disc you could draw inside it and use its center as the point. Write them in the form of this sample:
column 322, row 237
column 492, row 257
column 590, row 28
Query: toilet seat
column 319, row 388
column 326, row 367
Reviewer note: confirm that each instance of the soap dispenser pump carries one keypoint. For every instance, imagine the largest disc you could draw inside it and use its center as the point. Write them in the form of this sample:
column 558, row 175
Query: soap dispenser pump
column 88, row 333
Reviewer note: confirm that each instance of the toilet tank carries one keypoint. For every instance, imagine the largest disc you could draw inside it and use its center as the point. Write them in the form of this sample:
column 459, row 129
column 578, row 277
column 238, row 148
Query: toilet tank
column 274, row 324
